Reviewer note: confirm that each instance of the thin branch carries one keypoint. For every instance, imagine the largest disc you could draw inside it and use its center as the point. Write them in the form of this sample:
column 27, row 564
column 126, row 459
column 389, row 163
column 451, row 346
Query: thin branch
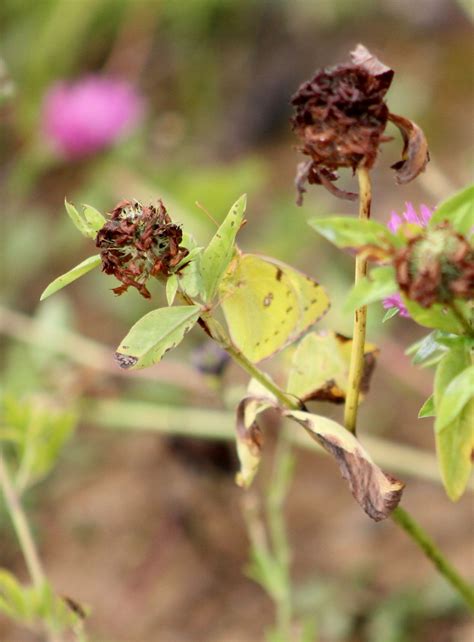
column 21, row 526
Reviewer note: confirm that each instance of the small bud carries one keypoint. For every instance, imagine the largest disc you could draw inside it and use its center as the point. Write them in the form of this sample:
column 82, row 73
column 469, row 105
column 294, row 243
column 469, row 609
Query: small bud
column 139, row 242
column 436, row 267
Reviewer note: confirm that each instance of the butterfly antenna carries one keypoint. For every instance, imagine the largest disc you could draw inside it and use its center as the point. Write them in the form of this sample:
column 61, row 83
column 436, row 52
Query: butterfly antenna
column 207, row 213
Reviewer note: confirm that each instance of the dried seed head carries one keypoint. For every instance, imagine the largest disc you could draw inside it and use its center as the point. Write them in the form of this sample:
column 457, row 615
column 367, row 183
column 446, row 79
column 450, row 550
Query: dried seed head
column 340, row 117
column 436, row 267
column 139, row 242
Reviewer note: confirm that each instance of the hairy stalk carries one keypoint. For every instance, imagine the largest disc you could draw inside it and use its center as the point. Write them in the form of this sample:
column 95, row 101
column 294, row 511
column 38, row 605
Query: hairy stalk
column 360, row 316
column 405, row 521
column 21, row 526
column 399, row 515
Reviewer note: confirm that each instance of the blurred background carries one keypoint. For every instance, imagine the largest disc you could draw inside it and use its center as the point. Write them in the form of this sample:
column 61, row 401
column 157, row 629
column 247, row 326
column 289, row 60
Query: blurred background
column 191, row 103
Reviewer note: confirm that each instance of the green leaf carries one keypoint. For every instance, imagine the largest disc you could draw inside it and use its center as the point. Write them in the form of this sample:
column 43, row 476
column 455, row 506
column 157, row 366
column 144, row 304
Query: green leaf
column 154, row 334
column 320, row 367
column 454, row 441
column 427, row 409
column 171, row 288
column 61, row 281
column 94, row 219
column 452, row 364
column 436, row 316
column 458, row 209
column 77, row 219
column 454, row 445
column 348, row 232
column 218, row 254
column 389, row 314
column 425, row 349
column 380, row 283
column 458, row 393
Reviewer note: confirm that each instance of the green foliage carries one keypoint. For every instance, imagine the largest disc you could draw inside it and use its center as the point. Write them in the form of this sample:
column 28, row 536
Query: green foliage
column 35, row 435
column 436, row 316
column 454, row 424
column 458, row 210
column 38, row 607
column 75, row 273
column 89, row 223
column 320, row 367
column 218, row 254
column 349, row 233
column 154, row 334
column 427, row 409
column 380, row 283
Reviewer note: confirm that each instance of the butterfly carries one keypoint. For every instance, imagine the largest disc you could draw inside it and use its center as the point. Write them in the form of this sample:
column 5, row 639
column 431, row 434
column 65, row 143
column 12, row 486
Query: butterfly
column 268, row 304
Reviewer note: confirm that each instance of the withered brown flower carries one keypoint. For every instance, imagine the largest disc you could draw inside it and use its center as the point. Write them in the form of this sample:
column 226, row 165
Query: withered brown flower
column 436, row 267
column 340, row 117
column 139, row 242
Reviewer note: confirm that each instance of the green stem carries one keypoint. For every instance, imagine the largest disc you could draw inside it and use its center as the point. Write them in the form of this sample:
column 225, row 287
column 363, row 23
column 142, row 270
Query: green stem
column 399, row 515
column 21, row 526
column 218, row 334
column 277, row 493
column 405, row 521
column 360, row 316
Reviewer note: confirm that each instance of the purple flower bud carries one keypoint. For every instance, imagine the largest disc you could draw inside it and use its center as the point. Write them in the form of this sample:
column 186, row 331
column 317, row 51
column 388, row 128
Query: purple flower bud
column 410, row 215
column 85, row 116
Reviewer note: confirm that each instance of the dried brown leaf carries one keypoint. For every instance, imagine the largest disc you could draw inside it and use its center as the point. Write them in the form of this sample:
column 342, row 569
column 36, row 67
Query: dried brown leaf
column 415, row 154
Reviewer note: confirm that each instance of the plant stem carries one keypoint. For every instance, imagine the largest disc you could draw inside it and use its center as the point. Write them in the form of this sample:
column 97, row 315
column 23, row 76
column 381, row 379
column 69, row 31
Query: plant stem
column 360, row 316
column 219, row 335
column 399, row 515
column 21, row 526
column 277, row 493
column 405, row 521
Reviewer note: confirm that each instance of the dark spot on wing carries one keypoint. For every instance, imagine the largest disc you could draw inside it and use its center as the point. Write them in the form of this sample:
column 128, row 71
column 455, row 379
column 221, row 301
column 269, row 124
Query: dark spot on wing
column 268, row 299
column 125, row 361
column 279, row 274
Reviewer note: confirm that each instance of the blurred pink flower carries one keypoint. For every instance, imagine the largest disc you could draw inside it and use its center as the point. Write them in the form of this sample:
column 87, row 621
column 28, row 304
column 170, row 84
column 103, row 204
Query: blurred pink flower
column 85, row 116
column 410, row 215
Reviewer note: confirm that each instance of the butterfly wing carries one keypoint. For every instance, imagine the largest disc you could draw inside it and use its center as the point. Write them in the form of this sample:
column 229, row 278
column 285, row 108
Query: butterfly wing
column 260, row 305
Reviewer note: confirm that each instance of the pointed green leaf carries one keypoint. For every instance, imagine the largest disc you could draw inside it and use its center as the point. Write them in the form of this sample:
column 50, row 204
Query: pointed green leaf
column 351, row 233
column 171, row 288
column 379, row 284
column 154, row 334
column 458, row 209
column 454, row 442
column 94, row 219
column 61, row 281
column 77, row 219
column 427, row 409
column 389, row 314
column 454, row 445
column 218, row 254
column 458, row 393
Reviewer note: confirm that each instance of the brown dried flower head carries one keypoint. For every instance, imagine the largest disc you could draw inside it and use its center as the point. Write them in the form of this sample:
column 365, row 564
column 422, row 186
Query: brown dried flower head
column 436, row 267
column 139, row 242
column 340, row 117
